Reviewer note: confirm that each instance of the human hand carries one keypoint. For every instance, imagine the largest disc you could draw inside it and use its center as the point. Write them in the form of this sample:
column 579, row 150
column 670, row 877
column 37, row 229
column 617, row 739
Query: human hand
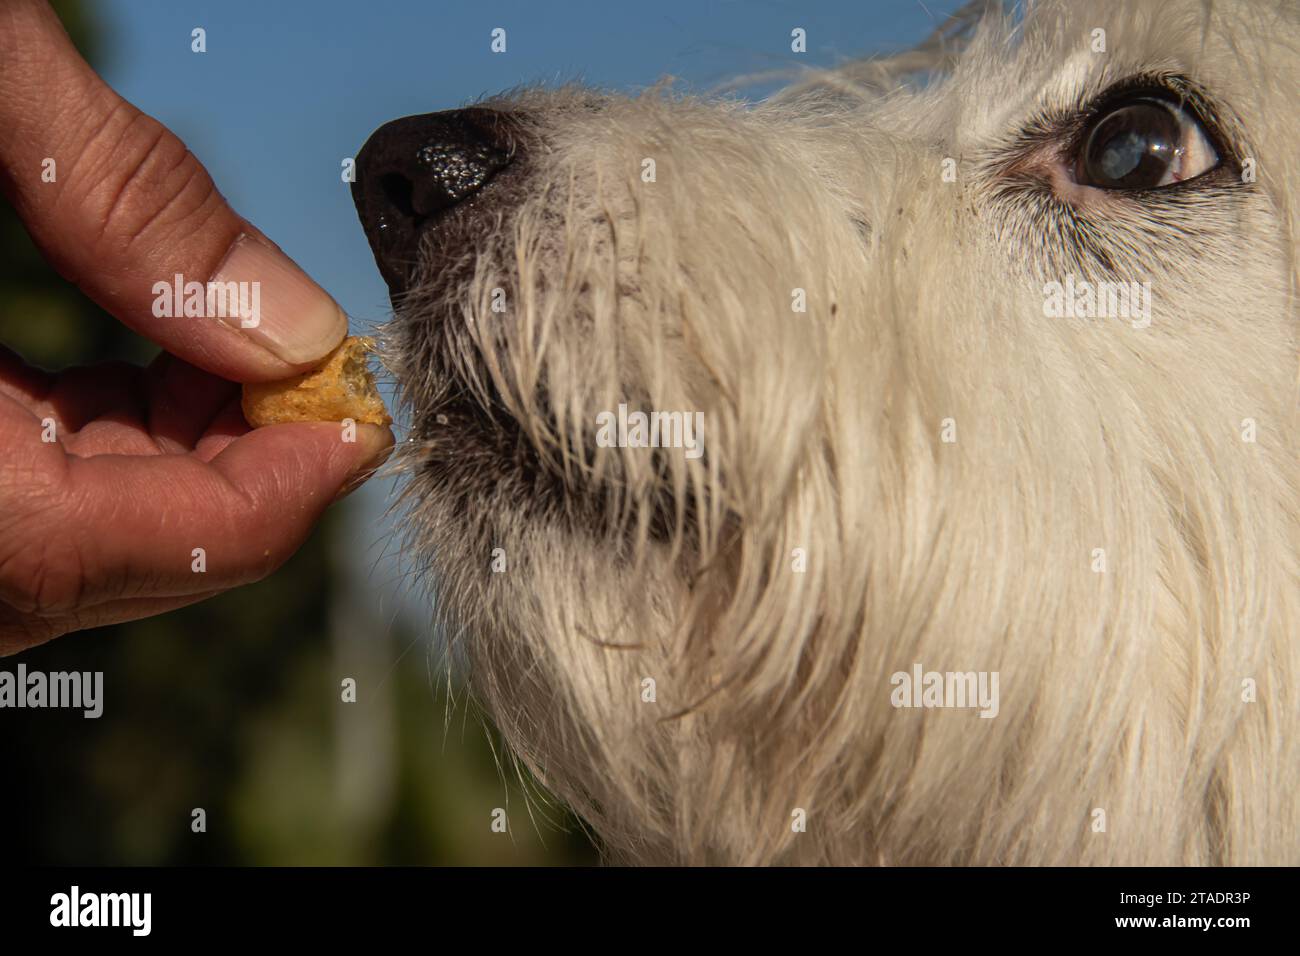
column 112, row 477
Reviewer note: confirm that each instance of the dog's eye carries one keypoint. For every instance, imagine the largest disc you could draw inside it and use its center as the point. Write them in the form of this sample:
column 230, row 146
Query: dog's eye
column 1143, row 143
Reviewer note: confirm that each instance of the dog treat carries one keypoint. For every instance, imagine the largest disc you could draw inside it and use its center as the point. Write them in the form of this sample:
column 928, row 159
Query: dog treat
column 341, row 387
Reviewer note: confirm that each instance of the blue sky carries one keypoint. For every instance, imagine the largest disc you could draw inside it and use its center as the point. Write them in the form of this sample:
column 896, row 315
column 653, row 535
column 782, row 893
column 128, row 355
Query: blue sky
column 287, row 89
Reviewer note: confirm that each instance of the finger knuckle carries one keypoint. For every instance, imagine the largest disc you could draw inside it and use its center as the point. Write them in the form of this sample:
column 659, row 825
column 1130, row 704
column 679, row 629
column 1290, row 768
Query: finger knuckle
column 41, row 570
column 154, row 189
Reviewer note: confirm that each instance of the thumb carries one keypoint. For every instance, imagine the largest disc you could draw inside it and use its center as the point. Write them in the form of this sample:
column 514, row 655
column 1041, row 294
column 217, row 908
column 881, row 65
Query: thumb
column 119, row 206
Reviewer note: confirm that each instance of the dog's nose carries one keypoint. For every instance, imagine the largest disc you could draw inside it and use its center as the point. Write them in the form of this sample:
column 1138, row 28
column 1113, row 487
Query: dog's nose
column 414, row 169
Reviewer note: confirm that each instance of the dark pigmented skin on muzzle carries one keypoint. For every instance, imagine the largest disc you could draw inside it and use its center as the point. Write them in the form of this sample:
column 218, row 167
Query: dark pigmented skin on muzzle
column 417, row 173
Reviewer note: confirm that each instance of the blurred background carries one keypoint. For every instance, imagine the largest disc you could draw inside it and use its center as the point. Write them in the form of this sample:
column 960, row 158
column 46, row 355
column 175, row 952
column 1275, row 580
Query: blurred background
column 234, row 705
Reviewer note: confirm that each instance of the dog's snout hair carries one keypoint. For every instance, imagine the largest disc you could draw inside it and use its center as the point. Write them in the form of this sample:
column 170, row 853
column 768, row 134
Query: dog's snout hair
column 990, row 553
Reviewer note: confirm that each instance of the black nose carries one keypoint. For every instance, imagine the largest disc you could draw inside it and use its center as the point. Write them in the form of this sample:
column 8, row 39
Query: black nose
column 414, row 169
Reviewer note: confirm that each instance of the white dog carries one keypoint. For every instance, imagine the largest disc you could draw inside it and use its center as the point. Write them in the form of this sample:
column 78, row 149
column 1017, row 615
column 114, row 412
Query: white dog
column 902, row 470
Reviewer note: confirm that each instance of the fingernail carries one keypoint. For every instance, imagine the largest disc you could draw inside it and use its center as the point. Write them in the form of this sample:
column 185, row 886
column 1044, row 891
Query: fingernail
column 375, row 445
column 281, row 309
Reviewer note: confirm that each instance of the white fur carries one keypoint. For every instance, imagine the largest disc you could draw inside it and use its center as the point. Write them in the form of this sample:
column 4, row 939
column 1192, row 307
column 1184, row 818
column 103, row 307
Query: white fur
column 1120, row 691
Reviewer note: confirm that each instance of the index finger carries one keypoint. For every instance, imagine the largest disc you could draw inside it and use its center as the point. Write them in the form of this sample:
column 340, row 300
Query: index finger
column 120, row 207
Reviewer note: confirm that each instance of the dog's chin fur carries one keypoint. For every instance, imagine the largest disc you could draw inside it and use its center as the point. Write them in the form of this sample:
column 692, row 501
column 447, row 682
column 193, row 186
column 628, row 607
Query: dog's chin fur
column 830, row 536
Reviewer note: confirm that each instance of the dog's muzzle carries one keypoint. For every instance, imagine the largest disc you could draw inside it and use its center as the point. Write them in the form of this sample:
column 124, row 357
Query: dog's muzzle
column 416, row 173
